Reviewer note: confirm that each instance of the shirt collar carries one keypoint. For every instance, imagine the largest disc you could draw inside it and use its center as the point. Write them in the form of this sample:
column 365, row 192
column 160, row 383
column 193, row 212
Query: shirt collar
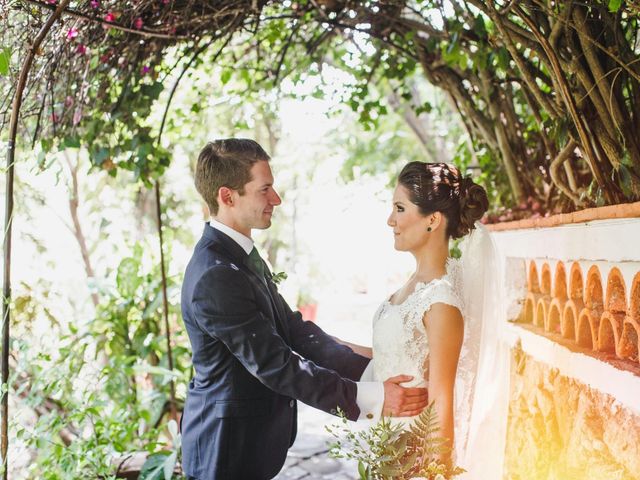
column 245, row 242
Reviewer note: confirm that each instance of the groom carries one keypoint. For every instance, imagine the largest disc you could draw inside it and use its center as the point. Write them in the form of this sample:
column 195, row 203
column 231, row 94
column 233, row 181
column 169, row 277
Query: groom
column 253, row 356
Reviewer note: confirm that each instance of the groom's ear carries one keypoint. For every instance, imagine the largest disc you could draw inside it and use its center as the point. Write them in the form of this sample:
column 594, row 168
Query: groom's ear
column 225, row 196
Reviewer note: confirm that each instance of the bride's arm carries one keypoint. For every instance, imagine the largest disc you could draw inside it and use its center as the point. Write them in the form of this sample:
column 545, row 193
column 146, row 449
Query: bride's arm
column 445, row 328
column 359, row 349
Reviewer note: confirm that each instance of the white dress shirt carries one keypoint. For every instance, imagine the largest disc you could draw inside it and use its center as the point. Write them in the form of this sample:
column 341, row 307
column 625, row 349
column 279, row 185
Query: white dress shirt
column 370, row 395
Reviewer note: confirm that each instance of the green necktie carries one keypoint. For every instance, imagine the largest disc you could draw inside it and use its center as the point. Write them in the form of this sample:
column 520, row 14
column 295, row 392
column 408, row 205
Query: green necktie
column 256, row 263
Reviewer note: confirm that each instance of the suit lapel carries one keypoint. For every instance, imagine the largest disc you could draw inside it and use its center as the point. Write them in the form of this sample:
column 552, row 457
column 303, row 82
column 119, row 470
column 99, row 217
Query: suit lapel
column 275, row 301
column 237, row 254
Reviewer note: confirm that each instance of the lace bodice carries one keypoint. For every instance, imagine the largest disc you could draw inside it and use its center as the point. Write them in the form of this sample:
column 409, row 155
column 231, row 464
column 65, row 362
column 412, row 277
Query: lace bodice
column 400, row 343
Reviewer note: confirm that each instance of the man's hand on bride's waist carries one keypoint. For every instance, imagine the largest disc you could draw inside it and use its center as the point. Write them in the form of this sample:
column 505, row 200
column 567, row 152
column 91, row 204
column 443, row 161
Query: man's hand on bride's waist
column 402, row 401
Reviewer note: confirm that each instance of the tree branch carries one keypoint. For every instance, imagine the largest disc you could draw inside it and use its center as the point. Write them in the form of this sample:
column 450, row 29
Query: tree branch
column 74, row 202
column 526, row 75
column 142, row 32
column 562, row 157
column 590, row 154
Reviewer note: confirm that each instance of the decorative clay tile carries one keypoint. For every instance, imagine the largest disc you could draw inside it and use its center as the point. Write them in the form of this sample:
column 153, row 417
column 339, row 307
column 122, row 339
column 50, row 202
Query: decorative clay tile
column 616, row 295
column 576, row 307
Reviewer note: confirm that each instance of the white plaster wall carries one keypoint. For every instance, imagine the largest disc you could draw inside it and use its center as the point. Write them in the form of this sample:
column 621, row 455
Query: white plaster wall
column 605, row 243
column 608, row 240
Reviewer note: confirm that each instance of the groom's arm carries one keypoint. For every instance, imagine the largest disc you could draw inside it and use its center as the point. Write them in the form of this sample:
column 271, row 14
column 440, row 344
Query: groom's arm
column 313, row 343
column 359, row 349
column 310, row 341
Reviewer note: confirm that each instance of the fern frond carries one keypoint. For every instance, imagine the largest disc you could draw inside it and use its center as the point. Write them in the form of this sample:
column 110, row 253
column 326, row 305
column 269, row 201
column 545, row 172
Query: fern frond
column 392, row 451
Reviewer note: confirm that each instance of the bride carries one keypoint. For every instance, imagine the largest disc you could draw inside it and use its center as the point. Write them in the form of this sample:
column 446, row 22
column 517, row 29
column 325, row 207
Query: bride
column 424, row 326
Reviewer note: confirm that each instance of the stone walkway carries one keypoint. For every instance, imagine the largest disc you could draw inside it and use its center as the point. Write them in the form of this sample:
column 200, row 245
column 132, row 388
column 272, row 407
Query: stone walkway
column 308, row 458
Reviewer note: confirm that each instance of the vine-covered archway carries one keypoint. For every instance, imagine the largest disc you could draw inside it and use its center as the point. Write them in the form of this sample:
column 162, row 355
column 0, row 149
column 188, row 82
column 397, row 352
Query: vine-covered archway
column 549, row 92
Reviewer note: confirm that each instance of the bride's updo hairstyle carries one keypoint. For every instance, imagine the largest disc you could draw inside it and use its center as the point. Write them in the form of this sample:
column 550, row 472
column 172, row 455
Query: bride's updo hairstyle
column 439, row 187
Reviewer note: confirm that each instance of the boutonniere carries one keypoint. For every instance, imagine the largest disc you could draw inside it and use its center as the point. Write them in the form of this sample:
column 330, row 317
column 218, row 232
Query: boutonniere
column 278, row 277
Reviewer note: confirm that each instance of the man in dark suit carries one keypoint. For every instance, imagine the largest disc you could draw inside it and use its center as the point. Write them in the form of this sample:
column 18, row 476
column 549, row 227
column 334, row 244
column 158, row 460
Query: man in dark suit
column 253, row 356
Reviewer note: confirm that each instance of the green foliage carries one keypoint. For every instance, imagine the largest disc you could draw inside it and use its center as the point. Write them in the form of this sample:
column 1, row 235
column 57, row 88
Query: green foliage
column 127, row 329
column 387, row 450
column 389, row 142
column 124, row 138
column 161, row 465
column 279, row 277
column 103, row 83
column 103, row 390
column 614, row 5
column 5, row 61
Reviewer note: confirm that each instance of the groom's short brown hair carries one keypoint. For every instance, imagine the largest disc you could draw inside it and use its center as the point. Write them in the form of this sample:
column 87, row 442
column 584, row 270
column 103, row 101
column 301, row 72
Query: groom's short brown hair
column 226, row 163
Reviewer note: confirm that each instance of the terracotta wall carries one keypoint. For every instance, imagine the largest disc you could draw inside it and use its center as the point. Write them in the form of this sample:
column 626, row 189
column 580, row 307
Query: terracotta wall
column 591, row 305
column 573, row 296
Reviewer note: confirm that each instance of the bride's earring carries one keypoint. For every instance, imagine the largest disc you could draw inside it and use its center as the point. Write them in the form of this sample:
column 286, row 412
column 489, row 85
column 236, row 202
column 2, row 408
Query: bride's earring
column 428, row 229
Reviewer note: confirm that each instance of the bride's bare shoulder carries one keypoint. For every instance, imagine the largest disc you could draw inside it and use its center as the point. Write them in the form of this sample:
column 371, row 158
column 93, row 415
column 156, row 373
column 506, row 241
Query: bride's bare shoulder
column 443, row 316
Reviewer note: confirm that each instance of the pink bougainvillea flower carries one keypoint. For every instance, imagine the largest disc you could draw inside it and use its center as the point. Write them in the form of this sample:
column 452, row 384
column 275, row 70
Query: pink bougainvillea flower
column 165, row 1
column 72, row 33
column 110, row 17
column 54, row 117
column 95, row 3
column 81, row 49
column 146, row 69
column 68, row 101
column 138, row 23
column 77, row 116
column 51, row 2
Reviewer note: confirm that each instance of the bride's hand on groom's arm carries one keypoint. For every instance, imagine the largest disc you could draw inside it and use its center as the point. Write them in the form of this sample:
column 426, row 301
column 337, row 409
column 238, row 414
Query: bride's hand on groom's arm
column 403, row 402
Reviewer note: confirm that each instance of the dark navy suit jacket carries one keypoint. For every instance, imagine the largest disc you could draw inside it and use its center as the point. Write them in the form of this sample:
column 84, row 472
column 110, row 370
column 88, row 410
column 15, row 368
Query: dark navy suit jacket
column 253, row 357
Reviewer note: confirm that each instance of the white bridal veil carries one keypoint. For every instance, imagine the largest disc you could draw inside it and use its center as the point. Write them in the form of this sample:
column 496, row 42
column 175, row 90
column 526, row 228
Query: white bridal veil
column 482, row 381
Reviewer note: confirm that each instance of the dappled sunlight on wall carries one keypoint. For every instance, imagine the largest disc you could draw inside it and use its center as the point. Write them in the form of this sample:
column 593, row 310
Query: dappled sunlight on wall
column 559, row 428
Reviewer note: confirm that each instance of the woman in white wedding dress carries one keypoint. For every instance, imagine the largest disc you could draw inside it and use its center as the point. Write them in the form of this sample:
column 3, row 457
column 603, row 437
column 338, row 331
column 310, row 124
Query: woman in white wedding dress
column 419, row 330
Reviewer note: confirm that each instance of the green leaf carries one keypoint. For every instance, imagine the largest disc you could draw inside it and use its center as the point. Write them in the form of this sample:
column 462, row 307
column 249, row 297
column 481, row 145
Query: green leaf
column 152, row 91
column 5, row 61
column 462, row 62
column 46, row 145
column 479, row 27
column 389, row 470
column 172, row 426
column 169, row 465
column 629, row 187
column 426, row 107
column 362, row 471
column 128, row 279
column 99, row 155
column 42, row 160
column 71, row 142
column 453, row 44
column 153, row 468
column 408, row 463
column 503, row 58
column 614, row 5
column 225, row 76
